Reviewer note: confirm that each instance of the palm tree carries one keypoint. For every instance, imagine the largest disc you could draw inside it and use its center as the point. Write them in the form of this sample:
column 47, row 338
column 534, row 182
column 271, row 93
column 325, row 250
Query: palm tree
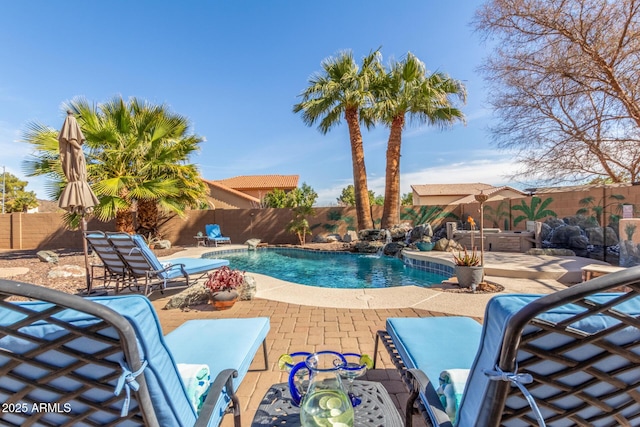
column 343, row 89
column 407, row 90
column 137, row 156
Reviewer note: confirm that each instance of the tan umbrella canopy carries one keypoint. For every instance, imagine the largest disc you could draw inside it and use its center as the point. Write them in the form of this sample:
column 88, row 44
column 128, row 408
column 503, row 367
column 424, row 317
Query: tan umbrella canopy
column 77, row 196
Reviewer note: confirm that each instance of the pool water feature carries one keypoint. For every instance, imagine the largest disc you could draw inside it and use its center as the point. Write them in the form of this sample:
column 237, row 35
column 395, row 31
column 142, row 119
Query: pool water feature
column 330, row 269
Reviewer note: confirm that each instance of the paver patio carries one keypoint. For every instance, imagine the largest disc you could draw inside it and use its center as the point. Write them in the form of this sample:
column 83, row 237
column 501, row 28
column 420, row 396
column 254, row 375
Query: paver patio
column 301, row 328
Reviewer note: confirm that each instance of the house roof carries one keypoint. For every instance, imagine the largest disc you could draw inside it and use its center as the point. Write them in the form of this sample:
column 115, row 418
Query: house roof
column 450, row 189
column 260, row 182
column 467, row 192
column 222, row 187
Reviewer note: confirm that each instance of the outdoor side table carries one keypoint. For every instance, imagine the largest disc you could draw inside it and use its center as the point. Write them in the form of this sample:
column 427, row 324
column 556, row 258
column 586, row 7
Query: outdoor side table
column 201, row 240
column 376, row 410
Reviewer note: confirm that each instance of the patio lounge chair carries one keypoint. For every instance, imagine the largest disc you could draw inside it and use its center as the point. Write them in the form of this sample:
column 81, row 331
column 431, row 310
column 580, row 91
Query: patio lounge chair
column 568, row 358
column 214, row 235
column 113, row 267
column 142, row 263
column 68, row 360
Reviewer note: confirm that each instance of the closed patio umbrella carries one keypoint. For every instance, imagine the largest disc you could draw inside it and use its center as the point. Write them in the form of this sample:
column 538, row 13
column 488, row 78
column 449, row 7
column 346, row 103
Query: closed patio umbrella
column 77, row 197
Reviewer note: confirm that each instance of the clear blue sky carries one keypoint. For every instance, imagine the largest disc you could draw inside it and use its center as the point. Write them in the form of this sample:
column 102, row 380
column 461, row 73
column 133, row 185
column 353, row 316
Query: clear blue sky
column 235, row 69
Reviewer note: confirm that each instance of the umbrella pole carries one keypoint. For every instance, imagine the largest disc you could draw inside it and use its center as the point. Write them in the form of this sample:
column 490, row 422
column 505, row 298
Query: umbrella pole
column 86, row 255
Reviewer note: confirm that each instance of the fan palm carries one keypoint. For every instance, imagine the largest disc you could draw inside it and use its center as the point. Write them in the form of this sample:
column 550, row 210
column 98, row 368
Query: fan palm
column 343, row 89
column 137, row 157
column 407, row 90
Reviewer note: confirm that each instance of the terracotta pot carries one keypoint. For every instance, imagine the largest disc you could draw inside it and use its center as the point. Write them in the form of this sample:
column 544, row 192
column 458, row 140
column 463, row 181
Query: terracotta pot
column 223, row 300
column 469, row 277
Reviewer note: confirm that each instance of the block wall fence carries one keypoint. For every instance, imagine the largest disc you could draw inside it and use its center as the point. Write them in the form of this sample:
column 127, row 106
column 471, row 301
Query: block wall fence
column 47, row 231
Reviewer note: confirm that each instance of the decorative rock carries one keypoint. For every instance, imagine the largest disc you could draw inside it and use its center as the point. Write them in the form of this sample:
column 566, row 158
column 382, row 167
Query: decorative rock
column 399, row 232
column 372, row 235
column 47, row 256
column 319, row 238
column 252, row 243
column 562, row 235
column 350, row 236
column 447, row 245
column 393, row 248
column 368, row 247
column 579, row 242
column 162, row 244
column 196, row 294
column 332, row 238
column 421, row 231
column 67, row 271
column 248, row 289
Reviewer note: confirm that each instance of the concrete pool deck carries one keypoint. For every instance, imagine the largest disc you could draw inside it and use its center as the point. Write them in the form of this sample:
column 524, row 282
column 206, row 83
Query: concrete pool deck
column 517, row 273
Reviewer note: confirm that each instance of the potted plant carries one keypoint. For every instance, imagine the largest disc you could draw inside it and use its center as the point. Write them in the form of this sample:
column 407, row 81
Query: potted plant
column 469, row 270
column 222, row 284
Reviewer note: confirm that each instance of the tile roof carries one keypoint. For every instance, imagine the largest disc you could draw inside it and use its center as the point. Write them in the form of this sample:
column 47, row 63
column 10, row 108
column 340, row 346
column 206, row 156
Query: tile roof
column 261, row 182
column 450, row 189
column 227, row 189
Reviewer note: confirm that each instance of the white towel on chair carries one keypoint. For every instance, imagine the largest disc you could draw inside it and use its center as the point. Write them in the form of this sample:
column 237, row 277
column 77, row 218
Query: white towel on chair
column 452, row 383
column 196, row 379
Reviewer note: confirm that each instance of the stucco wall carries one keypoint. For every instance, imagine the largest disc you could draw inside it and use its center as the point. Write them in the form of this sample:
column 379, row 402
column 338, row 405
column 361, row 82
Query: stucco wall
column 46, row 230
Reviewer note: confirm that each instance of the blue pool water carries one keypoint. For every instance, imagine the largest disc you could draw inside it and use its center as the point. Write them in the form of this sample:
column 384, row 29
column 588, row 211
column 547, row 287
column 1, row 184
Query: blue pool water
column 329, row 270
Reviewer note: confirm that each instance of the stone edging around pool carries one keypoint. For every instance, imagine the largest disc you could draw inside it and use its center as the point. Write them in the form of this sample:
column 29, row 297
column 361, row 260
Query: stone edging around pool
column 412, row 259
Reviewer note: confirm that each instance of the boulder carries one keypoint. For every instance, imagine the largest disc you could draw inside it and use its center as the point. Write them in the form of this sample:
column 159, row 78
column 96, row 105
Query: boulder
column 372, row 235
column 420, row 231
column 579, row 242
column 350, row 236
column 195, row 294
column 47, row 256
column 597, row 237
column 367, row 247
column 399, row 232
column 332, row 238
column 252, row 244
column 162, row 244
column 319, row 238
column 562, row 235
column 393, row 248
column 248, row 289
column 67, row 271
column 447, row 245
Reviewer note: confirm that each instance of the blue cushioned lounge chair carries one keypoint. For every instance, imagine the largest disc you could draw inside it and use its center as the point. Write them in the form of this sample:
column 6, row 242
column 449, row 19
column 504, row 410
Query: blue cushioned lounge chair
column 143, row 263
column 568, row 358
column 103, row 361
column 214, row 235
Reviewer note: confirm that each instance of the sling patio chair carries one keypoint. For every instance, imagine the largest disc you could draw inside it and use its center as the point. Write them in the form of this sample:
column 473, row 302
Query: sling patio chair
column 214, row 235
column 563, row 359
column 112, row 267
column 103, row 361
column 143, row 264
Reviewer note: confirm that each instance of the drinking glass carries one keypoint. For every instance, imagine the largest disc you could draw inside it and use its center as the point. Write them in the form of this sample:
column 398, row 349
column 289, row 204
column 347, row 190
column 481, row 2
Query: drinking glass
column 350, row 371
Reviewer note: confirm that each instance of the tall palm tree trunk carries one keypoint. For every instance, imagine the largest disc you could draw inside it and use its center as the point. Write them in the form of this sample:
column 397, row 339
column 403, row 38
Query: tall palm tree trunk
column 391, row 209
column 363, row 208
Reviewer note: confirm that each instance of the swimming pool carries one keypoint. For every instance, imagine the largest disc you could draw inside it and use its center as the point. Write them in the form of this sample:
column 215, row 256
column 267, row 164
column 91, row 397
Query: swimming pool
column 330, row 270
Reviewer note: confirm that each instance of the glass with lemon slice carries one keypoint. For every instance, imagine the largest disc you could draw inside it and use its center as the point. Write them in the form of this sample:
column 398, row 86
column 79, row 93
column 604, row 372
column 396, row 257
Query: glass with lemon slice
column 356, row 366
